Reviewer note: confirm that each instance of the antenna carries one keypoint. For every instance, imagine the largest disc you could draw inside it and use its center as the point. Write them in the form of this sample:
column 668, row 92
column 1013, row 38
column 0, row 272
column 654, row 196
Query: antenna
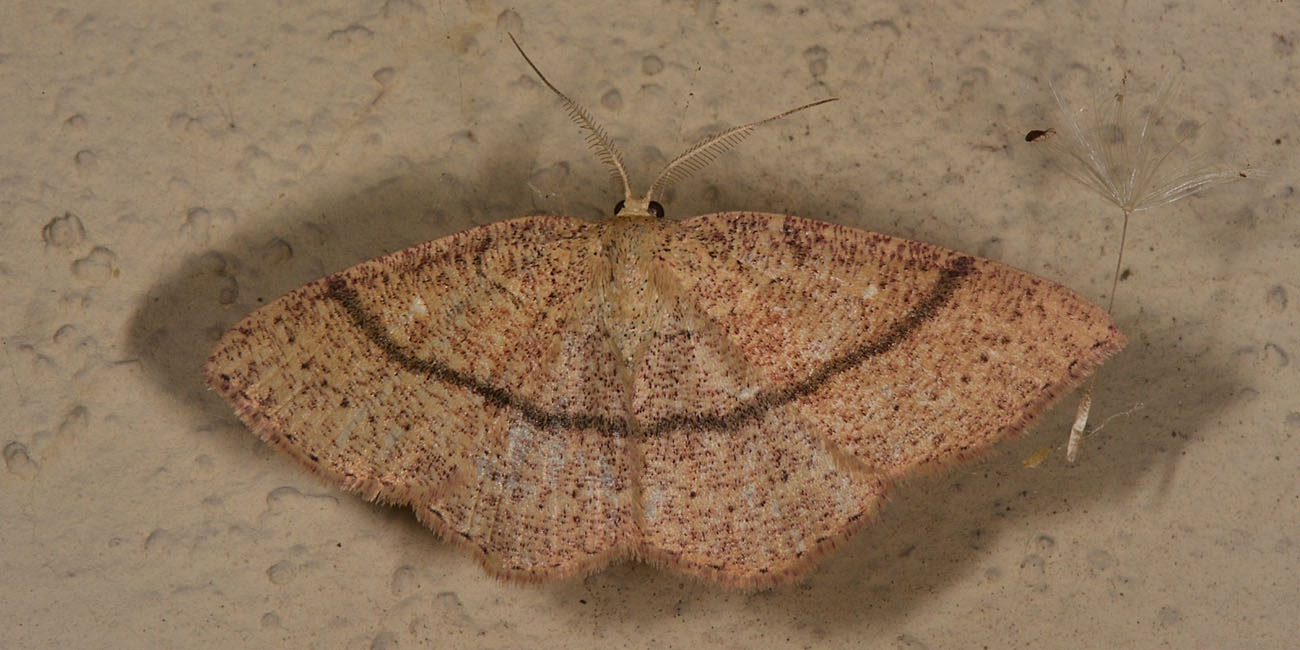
column 700, row 154
column 695, row 158
column 596, row 137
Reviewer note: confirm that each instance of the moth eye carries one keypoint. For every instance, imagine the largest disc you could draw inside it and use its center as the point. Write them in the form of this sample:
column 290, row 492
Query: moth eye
column 655, row 208
column 618, row 207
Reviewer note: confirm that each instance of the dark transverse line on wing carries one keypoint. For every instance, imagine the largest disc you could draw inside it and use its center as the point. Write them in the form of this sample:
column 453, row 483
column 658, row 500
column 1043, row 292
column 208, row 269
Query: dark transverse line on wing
column 752, row 409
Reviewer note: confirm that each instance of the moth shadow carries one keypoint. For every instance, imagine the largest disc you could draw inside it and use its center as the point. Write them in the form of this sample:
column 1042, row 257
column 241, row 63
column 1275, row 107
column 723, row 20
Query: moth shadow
column 184, row 313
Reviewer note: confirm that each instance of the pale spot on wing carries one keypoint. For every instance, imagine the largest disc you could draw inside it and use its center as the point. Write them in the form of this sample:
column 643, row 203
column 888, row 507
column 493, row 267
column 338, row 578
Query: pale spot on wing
column 340, row 442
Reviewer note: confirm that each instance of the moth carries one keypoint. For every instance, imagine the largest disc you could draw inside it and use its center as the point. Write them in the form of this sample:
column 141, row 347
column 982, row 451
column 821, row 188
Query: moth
column 729, row 395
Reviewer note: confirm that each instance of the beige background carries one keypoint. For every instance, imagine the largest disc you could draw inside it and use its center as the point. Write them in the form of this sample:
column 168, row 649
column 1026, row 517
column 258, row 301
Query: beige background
column 215, row 155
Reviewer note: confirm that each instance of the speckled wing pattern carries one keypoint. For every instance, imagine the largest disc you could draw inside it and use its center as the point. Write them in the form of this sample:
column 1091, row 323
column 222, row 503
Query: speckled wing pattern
column 729, row 396
column 426, row 377
column 902, row 354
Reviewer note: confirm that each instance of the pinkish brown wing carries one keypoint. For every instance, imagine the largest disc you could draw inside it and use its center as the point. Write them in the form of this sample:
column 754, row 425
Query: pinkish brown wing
column 900, row 353
column 460, row 377
column 745, row 497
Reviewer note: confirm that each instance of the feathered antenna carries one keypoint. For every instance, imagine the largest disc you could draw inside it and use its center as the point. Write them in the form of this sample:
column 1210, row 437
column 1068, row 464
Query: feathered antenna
column 700, row 154
column 693, row 159
column 596, row 137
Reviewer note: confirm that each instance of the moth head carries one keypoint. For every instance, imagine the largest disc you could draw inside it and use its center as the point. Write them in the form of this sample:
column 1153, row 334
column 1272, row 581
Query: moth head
column 642, row 207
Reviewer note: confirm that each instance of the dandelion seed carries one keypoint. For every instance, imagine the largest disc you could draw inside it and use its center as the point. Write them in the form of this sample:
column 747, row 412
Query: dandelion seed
column 1134, row 160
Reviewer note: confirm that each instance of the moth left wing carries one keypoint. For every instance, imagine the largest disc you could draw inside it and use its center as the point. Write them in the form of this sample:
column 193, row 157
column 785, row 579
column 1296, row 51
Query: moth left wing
column 902, row 354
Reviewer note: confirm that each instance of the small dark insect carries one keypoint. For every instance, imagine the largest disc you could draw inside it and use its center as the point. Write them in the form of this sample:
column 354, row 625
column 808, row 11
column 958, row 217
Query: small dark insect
column 1040, row 135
